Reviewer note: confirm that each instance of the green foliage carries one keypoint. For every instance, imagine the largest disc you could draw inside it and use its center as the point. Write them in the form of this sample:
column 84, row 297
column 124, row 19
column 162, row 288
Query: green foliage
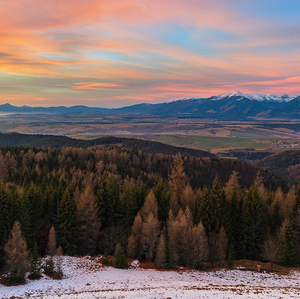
column 35, row 265
column 231, row 256
column 120, row 258
column 71, row 188
column 66, row 223
column 254, row 224
column 163, row 199
column 4, row 221
column 290, row 246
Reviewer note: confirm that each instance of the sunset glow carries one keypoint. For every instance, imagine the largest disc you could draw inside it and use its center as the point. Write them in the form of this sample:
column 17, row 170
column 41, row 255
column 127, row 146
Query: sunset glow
column 117, row 53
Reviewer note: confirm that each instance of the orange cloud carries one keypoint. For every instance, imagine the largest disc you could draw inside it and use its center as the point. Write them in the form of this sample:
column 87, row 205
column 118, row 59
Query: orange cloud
column 94, row 86
column 110, row 48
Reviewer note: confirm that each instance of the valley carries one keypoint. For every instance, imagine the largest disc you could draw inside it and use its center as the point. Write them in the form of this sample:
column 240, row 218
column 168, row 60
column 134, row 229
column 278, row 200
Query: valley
column 213, row 136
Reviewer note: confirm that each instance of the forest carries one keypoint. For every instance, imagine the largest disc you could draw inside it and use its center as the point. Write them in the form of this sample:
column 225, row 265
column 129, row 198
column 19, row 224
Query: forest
column 170, row 210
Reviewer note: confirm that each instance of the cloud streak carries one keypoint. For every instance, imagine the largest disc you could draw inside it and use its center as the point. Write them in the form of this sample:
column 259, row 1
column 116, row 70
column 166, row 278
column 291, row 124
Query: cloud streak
column 112, row 53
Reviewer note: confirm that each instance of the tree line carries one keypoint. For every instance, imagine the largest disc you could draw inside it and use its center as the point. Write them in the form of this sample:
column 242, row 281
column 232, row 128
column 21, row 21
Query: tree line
column 164, row 209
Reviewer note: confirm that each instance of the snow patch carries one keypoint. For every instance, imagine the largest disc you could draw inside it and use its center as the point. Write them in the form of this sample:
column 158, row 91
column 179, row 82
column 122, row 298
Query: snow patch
column 85, row 278
column 257, row 97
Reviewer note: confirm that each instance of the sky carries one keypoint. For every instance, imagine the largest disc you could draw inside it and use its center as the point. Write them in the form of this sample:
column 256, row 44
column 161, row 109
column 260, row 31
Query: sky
column 117, row 53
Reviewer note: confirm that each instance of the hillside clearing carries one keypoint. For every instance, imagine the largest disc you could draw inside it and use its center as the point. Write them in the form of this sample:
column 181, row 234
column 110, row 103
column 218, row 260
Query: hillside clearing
column 86, row 278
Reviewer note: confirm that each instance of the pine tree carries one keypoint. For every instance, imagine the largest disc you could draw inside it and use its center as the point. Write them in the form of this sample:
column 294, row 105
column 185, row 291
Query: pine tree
column 17, row 255
column 66, row 222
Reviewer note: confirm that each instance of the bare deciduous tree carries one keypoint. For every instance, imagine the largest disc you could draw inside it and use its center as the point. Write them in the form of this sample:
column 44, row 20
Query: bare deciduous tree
column 272, row 250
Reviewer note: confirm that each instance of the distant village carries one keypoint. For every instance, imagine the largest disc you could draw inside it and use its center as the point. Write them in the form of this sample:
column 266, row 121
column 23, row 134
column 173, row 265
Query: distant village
column 285, row 144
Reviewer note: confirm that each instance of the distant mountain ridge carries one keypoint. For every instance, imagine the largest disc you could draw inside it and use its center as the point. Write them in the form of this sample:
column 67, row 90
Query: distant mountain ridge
column 228, row 106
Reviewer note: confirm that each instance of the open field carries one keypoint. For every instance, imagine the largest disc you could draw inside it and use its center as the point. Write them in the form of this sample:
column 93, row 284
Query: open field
column 86, row 278
column 211, row 143
column 192, row 133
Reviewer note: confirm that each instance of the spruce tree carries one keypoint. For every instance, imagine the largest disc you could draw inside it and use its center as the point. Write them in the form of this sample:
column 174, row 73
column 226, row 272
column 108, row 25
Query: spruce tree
column 163, row 200
column 120, row 258
column 4, row 221
column 231, row 256
column 66, row 223
column 290, row 248
column 103, row 201
column 254, row 224
column 35, row 265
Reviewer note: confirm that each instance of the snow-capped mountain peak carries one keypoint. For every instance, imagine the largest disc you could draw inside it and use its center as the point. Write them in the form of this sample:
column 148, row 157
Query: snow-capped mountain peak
column 256, row 97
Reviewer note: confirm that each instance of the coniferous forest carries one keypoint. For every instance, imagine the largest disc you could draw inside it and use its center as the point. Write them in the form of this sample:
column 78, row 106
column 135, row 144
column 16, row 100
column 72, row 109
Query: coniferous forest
column 170, row 210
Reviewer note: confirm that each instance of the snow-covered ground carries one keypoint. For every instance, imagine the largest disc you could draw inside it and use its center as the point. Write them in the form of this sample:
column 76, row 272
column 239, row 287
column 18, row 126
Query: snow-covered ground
column 86, row 278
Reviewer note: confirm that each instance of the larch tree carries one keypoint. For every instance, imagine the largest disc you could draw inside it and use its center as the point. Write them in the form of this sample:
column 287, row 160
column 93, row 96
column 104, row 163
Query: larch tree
column 134, row 247
column 150, row 234
column 16, row 255
column 187, row 199
column 50, row 251
column 177, row 183
column 196, row 246
column 88, row 223
column 177, row 231
column 233, row 185
column 150, row 206
column 161, row 257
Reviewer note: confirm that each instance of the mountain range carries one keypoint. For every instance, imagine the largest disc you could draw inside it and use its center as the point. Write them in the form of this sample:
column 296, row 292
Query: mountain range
column 228, row 106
